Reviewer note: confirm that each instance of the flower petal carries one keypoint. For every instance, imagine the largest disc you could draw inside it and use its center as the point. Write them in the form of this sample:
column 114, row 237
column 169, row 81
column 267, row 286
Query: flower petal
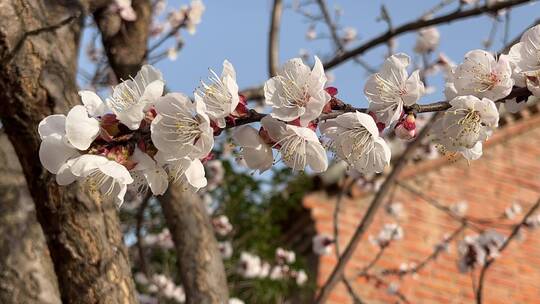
column 93, row 103
column 53, row 153
column 81, row 130
column 195, row 174
column 52, row 125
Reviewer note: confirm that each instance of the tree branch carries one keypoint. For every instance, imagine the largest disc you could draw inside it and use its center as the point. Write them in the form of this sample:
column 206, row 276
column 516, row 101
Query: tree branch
column 273, row 38
column 337, row 273
column 416, row 25
column 490, row 261
column 256, row 93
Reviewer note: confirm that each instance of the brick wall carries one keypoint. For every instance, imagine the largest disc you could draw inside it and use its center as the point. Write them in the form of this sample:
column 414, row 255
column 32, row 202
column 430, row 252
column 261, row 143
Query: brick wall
column 508, row 172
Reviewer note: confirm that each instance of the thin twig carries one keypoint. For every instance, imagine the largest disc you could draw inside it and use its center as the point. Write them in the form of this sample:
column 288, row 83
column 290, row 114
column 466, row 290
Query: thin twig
column 418, row 24
column 257, row 92
column 334, row 35
column 490, row 261
column 432, row 257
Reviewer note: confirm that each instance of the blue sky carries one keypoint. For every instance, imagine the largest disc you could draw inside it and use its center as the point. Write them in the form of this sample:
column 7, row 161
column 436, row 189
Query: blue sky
column 237, row 30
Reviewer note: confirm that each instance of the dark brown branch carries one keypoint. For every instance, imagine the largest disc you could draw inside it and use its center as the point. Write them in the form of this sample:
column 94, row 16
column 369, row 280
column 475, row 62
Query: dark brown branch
column 337, row 208
column 416, row 25
column 273, row 38
column 342, row 107
column 200, row 264
column 256, row 93
column 334, row 35
column 125, row 42
column 509, row 239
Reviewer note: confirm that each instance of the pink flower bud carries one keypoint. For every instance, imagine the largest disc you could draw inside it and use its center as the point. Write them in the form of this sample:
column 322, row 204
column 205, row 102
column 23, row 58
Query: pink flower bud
column 333, row 91
column 402, row 132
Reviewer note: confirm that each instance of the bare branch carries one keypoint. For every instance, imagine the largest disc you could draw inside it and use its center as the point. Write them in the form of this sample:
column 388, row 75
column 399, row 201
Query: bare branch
column 337, row 273
column 416, row 25
column 273, row 38
column 509, row 239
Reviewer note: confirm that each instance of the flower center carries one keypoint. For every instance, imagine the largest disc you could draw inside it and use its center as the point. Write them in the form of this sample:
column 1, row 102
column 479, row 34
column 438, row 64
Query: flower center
column 487, row 81
column 98, row 181
column 127, row 94
column 388, row 91
column 293, row 151
column 296, row 96
column 217, row 95
column 362, row 145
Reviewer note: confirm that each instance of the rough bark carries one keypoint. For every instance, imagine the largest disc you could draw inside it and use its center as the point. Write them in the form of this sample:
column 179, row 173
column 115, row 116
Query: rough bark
column 125, row 42
column 38, row 55
column 201, row 267
column 26, row 270
column 200, row 264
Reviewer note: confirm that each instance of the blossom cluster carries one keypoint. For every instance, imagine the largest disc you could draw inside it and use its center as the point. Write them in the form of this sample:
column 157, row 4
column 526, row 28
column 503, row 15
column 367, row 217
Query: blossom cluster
column 389, row 232
column 474, row 250
column 142, row 139
column 253, row 267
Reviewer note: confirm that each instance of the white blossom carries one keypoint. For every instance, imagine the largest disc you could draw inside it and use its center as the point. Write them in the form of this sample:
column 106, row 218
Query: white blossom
column 183, row 170
column 181, row 127
column 235, row 301
column 311, row 33
column 124, row 8
column 299, row 146
column 226, row 250
column 285, row 256
column 162, row 239
column 395, row 209
column 297, row 92
column 221, row 95
column 514, row 210
column 278, row 272
column 148, row 172
column 132, row 97
column 265, row 270
column 355, row 139
column 194, row 15
column 474, row 250
column 389, row 90
column 389, row 232
column 349, row 34
column 427, row 40
column 460, row 208
column 322, row 244
column 249, row 265
column 525, row 58
column 216, row 172
column 255, row 152
column 100, row 173
column 221, row 224
column 483, row 76
column 465, row 125
column 55, row 150
column 301, row 278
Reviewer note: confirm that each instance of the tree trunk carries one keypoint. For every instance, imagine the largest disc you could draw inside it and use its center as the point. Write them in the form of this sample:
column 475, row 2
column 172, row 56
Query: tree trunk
column 200, row 263
column 39, row 42
column 201, row 267
column 26, row 270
